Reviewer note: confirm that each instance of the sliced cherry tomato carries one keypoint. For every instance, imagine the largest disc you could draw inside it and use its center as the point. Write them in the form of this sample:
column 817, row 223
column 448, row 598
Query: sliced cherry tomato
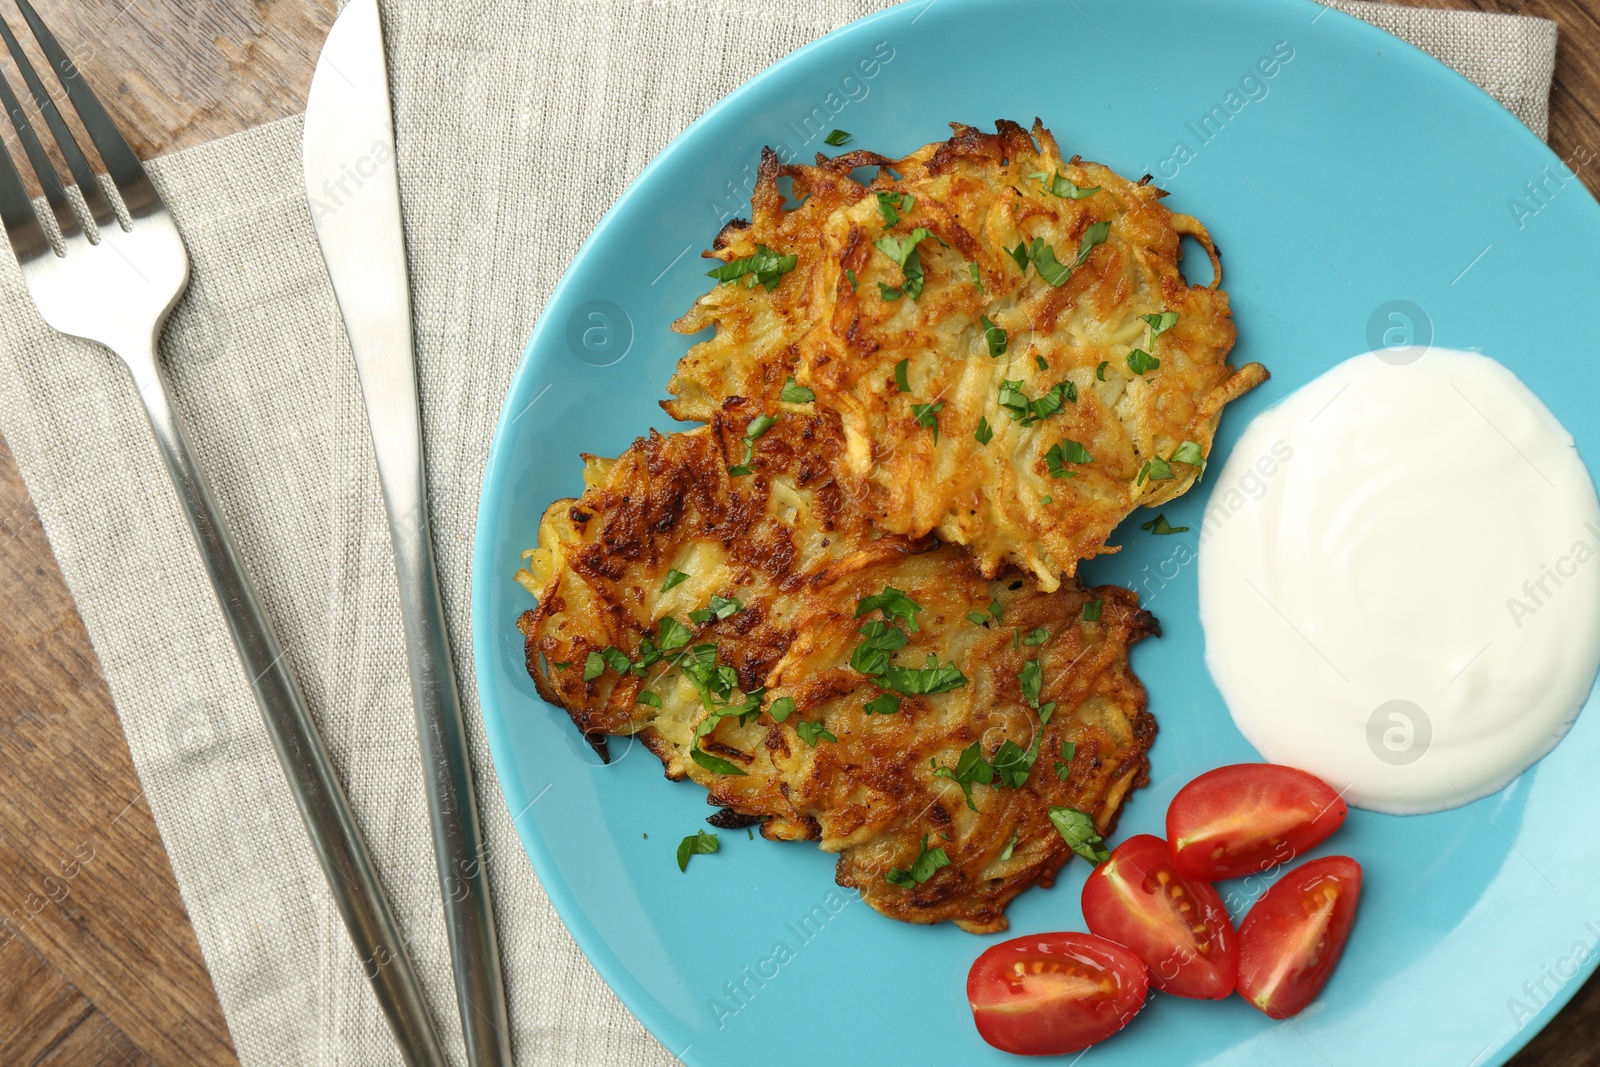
column 1178, row 927
column 1249, row 818
column 1292, row 938
column 1049, row 994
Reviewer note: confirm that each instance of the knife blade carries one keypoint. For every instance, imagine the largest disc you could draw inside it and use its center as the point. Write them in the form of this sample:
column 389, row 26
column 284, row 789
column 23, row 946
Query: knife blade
column 352, row 183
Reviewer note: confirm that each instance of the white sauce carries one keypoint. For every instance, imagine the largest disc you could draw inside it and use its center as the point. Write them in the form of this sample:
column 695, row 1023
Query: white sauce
column 1400, row 580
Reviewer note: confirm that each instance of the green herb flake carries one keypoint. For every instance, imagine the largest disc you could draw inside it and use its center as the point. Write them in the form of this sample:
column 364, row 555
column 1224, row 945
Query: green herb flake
column 993, row 335
column 795, row 394
column 903, row 250
column 923, row 867
column 674, row 577
column 1140, row 361
column 699, row 843
column 1011, row 846
column 984, row 433
column 1031, row 679
column 812, row 732
column 781, row 708
column 1100, row 371
column 597, row 662
column 928, row 415
column 1013, row 763
column 970, row 769
column 1062, row 453
column 1157, row 470
column 900, row 382
column 995, row 609
column 1093, row 237
column 871, row 656
column 836, row 138
column 1078, row 831
column 977, row 618
column 1160, row 324
column 647, row 697
column 1036, row 637
column 892, row 205
column 673, row 634
column 1044, row 261
column 887, row 704
column 851, row 276
column 1091, row 610
column 1189, row 452
column 889, row 293
column 1159, row 525
column 715, row 764
column 765, row 267
column 893, row 603
column 1019, row 254
column 928, row 680
column 977, row 276
column 1027, row 412
column 1057, row 185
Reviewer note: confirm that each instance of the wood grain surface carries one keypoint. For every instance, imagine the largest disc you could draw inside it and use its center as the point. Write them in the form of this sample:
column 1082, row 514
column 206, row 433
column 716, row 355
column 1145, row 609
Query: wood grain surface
column 98, row 963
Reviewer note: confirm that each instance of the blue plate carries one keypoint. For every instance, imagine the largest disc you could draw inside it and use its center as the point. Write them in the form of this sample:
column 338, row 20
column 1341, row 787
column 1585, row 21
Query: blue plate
column 1361, row 193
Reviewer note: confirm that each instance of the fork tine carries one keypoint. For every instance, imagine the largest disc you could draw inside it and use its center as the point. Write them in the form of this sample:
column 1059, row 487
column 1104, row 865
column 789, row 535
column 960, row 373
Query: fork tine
column 53, row 191
column 82, row 173
column 126, row 171
column 28, row 240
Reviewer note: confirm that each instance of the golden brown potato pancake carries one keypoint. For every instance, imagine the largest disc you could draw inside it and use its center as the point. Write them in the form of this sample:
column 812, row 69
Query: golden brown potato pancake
column 1016, row 359
column 804, row 617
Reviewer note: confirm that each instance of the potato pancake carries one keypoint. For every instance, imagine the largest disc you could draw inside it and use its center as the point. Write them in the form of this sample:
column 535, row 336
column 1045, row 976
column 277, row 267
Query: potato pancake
column 1016, row 358
column 721, row 595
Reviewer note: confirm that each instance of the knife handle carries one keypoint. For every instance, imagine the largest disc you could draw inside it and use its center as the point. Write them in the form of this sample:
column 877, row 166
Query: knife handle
column 458, row 842
column 346, row 864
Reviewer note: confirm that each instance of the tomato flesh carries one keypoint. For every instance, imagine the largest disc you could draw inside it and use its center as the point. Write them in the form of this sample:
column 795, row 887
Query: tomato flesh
column 1178, row 927
column 1293, row 937
column 1050, row 994
column 1248, row 818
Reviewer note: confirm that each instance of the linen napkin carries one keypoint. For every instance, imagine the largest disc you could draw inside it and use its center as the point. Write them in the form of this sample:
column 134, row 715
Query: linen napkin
column 518, row 125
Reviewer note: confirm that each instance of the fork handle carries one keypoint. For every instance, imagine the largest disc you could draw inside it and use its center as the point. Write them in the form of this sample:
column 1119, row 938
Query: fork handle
column 346, row 864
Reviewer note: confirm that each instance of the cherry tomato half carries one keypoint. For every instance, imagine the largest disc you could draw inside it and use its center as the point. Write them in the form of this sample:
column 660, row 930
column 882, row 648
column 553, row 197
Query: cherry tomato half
column 1049, row 994
column 1292, row 938
column 1249, row 818
column 1178, row 927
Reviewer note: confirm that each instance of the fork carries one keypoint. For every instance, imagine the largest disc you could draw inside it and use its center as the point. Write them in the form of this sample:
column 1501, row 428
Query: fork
column 113, row 280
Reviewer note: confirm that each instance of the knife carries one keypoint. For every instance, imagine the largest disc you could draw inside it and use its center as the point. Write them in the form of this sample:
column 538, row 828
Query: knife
column 353, row 186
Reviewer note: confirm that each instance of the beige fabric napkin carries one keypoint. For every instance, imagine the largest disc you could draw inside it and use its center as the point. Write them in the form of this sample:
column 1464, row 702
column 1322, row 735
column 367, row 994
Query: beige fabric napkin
column 519, row 124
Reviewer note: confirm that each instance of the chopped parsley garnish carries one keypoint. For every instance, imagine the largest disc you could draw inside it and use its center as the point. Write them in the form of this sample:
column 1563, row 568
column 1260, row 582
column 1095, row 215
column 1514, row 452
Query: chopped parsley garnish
column 1031, row 679
column 1160, row 324
column 562, row 666
column 1189, row 452
column 765, row 267
column 674, row 577
column 928, row 415
column 929, row 680
column 1046, row 500
column 996, row 610
column 1155, row 469
column 981, row 618
column 1091, row 610
column 752, row 433
column 812, row 732
column 984, row 434
column 977, row 276
column 1078, row 831
column 1092, row 237
column 1160, row 525
column 1140, row 361
column 1011, row 846
column 1020, row 255
column 1064, row 765
column 892, row 205
column 794, row 393
column 977, row 618
column 922, row 868
column 611, row 656
column 971, row 768
column 900, row 382
column 893, row 603
column 647, row 697
column 851, row 275
column 1039, row 361
column 1037, row 636
column 721, row 608
column 1028, row 412
column 699, row 843
column 1057, row 185
column 714, row 764
column 887, row 704
column 903, row 250
column 1062, row 453
column 993, row 335
column 1100, row 371
column 672, row 634
column 1044, row 261
column 836, row 138
column 1013, row 763
column 871, row 656
column 781, row 708
column 889, row 293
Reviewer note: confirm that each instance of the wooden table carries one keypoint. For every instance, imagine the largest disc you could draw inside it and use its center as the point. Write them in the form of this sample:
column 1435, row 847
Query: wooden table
column 98, row 962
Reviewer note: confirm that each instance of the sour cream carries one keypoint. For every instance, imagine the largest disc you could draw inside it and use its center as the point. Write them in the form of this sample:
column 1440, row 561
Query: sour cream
column 1400, row 580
